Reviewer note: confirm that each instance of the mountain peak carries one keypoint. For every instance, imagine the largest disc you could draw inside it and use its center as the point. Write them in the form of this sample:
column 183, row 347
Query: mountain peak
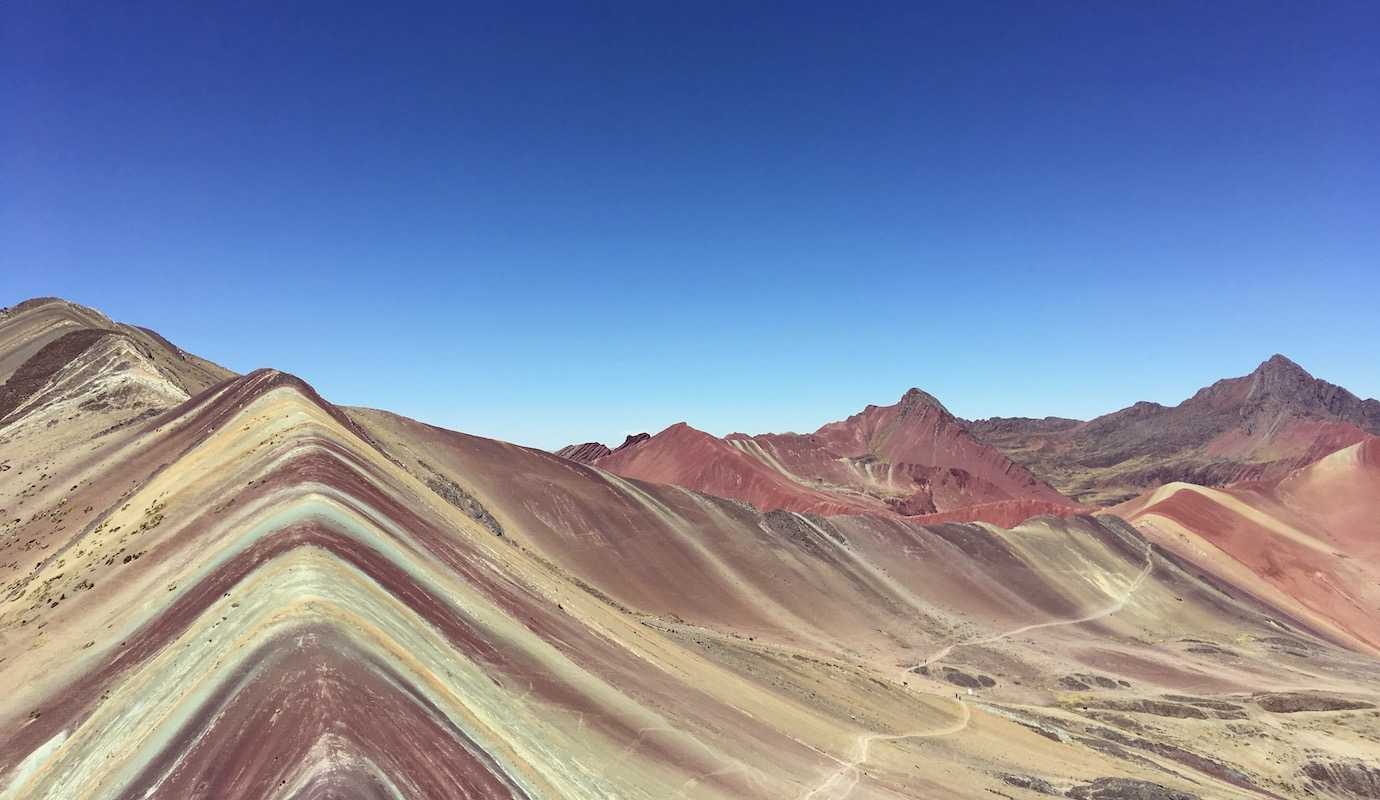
column 1276, row 378
column 678, row 432
column 918, row 398
column 1281, row 365
column 1280, row 378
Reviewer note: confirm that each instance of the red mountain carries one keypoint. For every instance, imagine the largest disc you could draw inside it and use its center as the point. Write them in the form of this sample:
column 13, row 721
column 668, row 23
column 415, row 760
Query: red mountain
column 911, row 458
column 1309, row 540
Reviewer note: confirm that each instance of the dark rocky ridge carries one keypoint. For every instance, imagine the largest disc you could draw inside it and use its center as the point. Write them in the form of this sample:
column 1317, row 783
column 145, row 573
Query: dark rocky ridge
column 1295, row 702
column 1126, row 789
column 585, row 453
column 589, row 452
column 1344, row 778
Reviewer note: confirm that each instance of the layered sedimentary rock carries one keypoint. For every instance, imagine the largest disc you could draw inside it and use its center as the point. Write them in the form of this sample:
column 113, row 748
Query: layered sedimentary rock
column 586, row 452
column 1256, row 427
column 29, row 327
column 253, row 593
column 912, row 458
column 589, row 452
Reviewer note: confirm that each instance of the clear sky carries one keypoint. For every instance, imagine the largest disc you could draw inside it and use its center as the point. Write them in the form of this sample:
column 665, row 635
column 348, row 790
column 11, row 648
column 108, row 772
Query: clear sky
column 567, row 222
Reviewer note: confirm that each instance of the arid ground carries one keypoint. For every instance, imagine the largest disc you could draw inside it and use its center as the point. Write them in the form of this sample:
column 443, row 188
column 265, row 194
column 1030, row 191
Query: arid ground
column 224, row 586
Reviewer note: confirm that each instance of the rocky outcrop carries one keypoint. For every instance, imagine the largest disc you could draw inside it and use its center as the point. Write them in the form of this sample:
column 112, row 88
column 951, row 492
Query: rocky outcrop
column 1126, row 789
column 1348, row 779
column 1295, row 702
column 589, row 452
column 585, row 453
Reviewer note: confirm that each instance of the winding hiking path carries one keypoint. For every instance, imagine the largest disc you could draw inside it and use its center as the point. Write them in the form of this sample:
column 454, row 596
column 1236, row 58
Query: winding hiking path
column 851, row 771
column 863, row 748
column 1116, row 606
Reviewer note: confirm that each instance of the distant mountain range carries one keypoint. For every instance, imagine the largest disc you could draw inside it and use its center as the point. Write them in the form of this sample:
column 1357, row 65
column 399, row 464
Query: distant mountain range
column 912, row 458
column 1261, row 425
column 916, row 459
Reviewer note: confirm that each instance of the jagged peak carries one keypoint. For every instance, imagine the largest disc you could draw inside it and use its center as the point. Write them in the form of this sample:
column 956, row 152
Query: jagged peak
column 1280, row 377
column 1278, row 364
column 919, row 398
column 632, row 439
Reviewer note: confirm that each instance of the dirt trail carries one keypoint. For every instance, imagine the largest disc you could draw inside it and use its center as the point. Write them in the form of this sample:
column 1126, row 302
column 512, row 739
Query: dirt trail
column 850, row 770
column 849, row 773
column 1116, row 606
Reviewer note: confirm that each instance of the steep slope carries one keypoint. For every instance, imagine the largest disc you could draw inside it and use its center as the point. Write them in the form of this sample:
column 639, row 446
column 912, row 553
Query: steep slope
column 1309, row 540
column 1258, row 426
column 256, row 594
column 911, row 458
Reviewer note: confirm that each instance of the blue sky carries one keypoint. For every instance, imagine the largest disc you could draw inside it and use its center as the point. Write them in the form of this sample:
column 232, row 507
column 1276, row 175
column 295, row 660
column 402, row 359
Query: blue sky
column 551, row 223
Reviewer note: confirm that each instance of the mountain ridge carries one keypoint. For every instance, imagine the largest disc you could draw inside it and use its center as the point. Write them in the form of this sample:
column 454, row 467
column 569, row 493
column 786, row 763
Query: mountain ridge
column 1256, row 426
column 911, row 458
column 1261, row 425
column 255, row 593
